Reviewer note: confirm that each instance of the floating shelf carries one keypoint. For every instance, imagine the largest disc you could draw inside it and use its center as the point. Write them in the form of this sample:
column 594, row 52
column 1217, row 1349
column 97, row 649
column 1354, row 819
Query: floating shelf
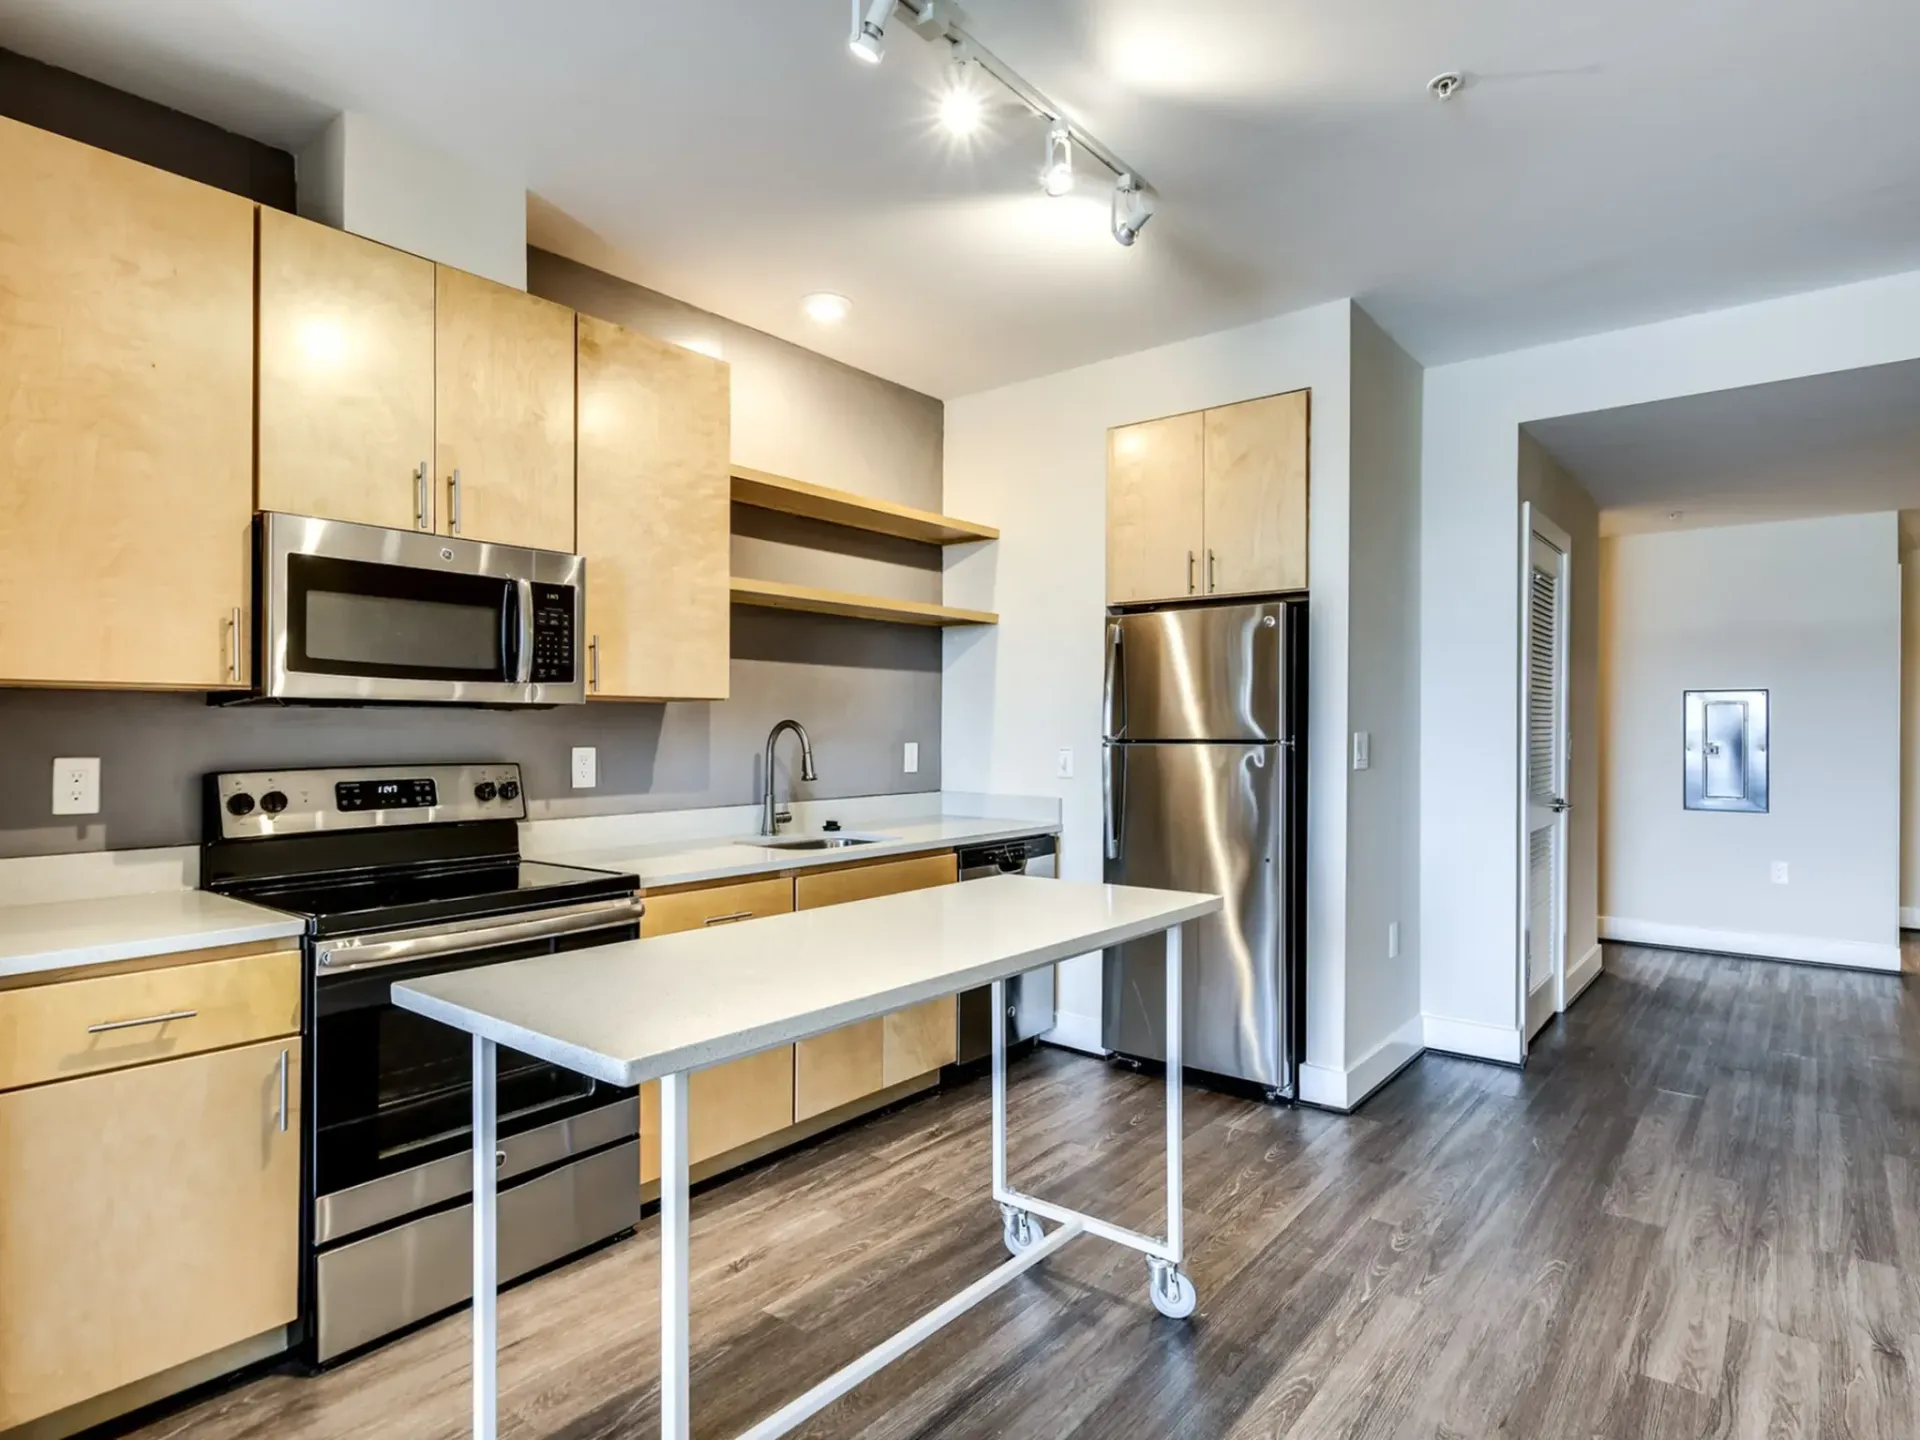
column 841, row 507
column 776, row 595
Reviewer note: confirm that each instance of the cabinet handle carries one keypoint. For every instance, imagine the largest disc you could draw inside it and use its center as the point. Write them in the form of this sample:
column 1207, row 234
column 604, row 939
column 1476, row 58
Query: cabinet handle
column 453, row 489
column 593, row 664
column 1189, row 572
column 1210, row 574
column 420, row 482
column 283, row 1092
column 734, row 918
column 233, row 645
column 107, row 1025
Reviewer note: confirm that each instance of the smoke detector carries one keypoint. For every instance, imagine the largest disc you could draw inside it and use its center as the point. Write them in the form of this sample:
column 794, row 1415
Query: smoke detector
column 1446, row 85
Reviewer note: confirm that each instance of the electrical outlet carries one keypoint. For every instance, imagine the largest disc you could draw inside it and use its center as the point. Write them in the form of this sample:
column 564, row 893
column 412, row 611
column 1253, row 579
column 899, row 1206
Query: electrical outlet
column 1393, row 940
column 1063, row 763
column 76, row 786
column 910, row 757
column 586, row 767
column 1362, row 749
column 1779, row 872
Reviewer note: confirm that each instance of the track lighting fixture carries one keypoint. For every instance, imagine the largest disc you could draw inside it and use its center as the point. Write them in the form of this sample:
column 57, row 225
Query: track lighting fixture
column 868, row 39
column 1134, row 201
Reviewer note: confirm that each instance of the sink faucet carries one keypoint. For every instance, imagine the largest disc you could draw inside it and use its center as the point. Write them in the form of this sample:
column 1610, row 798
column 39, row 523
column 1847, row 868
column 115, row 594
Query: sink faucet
column 772, row 817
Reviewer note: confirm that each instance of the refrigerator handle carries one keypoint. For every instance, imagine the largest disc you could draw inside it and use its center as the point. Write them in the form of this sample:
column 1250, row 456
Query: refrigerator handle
column 1116, row 688
column 1113, row 795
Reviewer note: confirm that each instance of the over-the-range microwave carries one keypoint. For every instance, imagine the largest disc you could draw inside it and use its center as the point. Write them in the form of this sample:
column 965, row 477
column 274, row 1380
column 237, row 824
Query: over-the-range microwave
column 362, row 614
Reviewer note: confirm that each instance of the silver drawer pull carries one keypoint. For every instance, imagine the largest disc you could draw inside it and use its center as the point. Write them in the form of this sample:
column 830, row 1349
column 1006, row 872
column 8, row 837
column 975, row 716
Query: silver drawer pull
column 737, row 915
column 284, row 1057
column 106, row 1025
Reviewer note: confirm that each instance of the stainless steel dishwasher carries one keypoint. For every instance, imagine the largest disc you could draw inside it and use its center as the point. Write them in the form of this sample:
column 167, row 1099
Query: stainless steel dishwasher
column 1029, row 996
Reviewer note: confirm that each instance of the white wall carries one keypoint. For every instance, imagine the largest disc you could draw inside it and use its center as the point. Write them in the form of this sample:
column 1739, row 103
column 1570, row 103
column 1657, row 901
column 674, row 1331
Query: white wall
column 1470, row 558
column 1564, row 501
column 1031, row 459
column 1808, row 611
column 368, row 176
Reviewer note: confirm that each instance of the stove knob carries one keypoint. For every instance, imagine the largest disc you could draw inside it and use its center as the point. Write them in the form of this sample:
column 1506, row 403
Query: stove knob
column 240, row 804
column 273, row 802
column 510, row 790
column 484, row 791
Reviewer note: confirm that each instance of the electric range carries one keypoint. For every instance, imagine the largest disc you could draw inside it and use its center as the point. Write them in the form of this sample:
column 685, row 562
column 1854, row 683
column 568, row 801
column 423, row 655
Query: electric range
column 401, row 872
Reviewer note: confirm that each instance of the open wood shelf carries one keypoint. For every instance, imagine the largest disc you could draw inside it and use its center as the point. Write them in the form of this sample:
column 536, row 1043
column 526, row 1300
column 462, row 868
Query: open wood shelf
column 841, row 507
column 777, row 595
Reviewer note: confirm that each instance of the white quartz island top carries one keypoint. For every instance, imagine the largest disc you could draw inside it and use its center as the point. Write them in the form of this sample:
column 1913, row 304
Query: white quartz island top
column 62, row 934
column 706, row 860
column 632, row 1012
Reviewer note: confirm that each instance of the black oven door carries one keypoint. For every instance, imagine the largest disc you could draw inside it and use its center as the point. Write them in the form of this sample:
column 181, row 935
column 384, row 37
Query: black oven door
column 393, row 1090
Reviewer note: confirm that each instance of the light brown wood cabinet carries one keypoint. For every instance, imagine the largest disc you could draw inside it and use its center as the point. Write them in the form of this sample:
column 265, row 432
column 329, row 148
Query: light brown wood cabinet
column 126, row 326
column 844, row 1065
column 652, row 508
column 744, row 1100
column 148, row 1216
column 346, row 376
column 503, row 414
column 1214, row 502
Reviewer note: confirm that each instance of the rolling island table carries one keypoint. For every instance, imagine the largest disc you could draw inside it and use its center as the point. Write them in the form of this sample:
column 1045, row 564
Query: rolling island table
column 663, row 1008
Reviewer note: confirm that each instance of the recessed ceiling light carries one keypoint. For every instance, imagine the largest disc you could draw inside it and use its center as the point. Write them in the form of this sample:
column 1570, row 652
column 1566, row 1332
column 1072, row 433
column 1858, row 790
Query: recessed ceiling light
column 1446, row 85
column 826, row 308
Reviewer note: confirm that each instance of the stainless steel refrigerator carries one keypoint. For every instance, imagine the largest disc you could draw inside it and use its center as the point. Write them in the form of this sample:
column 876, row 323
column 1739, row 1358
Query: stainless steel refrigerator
column 1205, row 789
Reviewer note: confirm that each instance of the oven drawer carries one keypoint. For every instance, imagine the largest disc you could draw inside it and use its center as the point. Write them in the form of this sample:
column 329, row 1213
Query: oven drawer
column 107, row 1022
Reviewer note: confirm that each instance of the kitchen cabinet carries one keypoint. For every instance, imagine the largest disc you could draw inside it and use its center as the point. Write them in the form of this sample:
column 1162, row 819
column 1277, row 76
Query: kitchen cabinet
column 737, row 1103
column 346, row 376
column 844, row 1065
column 149, row 1216
column 652, row 513
column 1214, row 502
column 126, row 320
column 503, row 413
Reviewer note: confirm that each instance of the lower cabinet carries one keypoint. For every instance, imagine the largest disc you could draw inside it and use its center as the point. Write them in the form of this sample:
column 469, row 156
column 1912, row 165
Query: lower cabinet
column 734, row 1104
column 149, row 1216
column 845, row 1065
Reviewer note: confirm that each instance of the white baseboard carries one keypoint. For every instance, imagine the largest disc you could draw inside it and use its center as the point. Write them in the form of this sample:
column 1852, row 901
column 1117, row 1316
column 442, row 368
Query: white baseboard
column 1076, row 1032
column 1499, row 1043
column 1910, row 917
column 1581, row 974
column 1335, row 1089
column 1809, row 949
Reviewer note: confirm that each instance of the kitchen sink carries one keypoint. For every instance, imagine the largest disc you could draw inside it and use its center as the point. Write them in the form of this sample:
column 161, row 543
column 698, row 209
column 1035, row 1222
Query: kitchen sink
column 814, row 842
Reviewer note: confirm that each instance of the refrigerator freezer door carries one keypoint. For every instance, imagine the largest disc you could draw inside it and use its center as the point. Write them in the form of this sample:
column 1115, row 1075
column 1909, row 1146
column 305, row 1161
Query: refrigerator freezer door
column 1205, row 673
column 1202, row 817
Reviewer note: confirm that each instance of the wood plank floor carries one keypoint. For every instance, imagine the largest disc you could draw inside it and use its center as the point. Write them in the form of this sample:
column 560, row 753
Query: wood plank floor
column 1696, row 1213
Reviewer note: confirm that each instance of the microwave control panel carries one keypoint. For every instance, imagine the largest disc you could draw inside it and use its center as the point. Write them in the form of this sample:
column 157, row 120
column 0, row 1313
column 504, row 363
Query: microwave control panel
column 553, row 637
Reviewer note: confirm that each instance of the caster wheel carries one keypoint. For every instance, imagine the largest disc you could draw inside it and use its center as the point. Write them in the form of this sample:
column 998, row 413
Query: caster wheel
column 1173, row 1293
column 1020, row 1232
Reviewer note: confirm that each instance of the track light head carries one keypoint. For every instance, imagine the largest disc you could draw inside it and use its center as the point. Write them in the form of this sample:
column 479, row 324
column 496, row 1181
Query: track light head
column 868, row 38
column 1056, row 177
column 1133, row 206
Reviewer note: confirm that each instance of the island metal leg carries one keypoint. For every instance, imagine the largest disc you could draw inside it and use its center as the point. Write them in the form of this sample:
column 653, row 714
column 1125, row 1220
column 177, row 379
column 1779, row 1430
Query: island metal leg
column 486, row 1246
column 676, row 1355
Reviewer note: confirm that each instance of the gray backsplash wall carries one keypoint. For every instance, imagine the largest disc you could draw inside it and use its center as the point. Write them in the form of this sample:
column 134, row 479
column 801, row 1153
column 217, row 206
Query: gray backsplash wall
column 861, row 688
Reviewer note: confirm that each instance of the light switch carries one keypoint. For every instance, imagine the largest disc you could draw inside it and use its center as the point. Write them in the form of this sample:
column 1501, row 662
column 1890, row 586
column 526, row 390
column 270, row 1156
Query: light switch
column 586, row 767
column 910, row 757
column 1362, row 749
column 1063, row 763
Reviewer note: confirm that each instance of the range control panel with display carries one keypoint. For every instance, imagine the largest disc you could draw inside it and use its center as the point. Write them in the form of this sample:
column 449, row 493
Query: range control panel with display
column 553, row 637
column 418, row 793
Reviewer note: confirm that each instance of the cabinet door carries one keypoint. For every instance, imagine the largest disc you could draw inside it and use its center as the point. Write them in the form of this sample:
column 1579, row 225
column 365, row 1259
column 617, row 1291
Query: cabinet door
column 733, row 1104
column 503, row 413
column 148, row 1217
column 653, row 507
column 346, row 376
column 843, row 1065
column 1257, row 496
column 126, row 319
column 1155, row 526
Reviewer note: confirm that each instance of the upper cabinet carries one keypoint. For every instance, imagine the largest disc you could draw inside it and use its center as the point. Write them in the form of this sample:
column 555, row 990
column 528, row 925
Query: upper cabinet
column 346, row 399
column 503, row 386
column 652, row 515
column 1209, row 503
column 126, row 322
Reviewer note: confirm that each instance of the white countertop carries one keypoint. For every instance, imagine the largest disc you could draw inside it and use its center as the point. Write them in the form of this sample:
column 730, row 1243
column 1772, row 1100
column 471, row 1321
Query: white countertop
column 63, row 933
column 703, row 861
column 632, row 1012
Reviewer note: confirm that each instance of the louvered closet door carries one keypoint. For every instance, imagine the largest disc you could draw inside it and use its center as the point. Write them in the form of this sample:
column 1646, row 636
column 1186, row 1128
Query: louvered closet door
column 1544, row 642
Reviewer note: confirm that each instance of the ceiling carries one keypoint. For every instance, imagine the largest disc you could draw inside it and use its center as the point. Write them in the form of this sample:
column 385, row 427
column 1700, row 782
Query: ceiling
column 1609, row 163
column 1841, row 444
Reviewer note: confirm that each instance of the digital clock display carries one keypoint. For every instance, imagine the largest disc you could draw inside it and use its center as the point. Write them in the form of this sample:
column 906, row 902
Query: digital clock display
column 352, row 795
